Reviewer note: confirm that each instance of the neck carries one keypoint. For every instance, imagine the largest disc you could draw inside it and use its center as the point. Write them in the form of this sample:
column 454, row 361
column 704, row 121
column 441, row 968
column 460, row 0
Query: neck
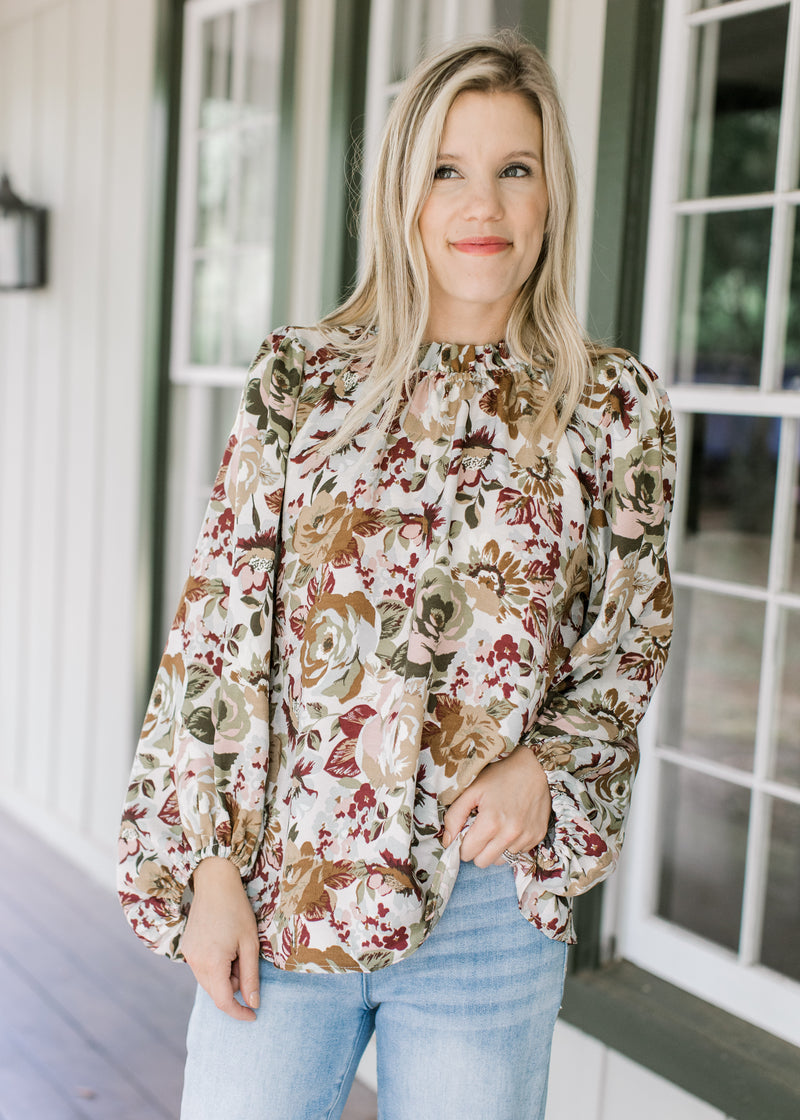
column 464, row 329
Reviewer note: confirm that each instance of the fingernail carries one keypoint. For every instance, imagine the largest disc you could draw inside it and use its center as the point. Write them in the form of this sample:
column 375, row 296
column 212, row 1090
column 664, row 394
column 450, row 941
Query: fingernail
column 253, row 1001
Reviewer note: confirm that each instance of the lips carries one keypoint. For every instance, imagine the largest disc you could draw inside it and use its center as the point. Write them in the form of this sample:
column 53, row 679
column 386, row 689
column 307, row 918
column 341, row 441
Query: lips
column 481, row 246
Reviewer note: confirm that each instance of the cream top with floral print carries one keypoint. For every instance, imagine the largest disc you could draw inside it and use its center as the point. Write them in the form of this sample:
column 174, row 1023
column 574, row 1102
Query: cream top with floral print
column 360, row 635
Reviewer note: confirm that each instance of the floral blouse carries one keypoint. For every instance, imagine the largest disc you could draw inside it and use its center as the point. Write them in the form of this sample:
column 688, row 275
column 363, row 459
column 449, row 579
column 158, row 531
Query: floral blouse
column 360, row 635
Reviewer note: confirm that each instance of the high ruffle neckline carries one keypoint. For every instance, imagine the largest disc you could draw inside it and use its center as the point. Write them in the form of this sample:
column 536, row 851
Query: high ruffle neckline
column 472, row 359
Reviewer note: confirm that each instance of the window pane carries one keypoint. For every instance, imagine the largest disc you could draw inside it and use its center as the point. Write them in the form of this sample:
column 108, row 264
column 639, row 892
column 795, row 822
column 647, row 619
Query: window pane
column 732, row 473
column 703, row 844
column 723, row 286
column 264, row 47
column 200, row 424
column 787, row 753
column 252, row 294
column 210, row 308
column 409, row 32
column 223, row 403
column 216, row 89
column 792, row 579
column 736, row 104
column 791, row 373
column 710, row 690
column 257, row 181
column 214, row 158
column 781, row 936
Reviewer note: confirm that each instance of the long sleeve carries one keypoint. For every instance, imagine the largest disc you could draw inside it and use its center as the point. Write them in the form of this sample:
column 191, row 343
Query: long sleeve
column 198, row 780
column 585, row 732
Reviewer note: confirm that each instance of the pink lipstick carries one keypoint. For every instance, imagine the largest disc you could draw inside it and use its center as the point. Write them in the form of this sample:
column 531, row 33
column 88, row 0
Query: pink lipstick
column 481, row 246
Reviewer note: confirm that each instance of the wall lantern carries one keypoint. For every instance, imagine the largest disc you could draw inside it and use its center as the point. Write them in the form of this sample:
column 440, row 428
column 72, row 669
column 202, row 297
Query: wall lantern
column 23, row 238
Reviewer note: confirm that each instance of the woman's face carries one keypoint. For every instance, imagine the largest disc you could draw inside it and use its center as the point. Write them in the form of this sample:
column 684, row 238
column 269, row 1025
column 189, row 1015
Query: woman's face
column 483, row 223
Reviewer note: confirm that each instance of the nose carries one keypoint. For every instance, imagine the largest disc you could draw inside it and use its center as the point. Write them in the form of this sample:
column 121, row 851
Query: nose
column 482, row 199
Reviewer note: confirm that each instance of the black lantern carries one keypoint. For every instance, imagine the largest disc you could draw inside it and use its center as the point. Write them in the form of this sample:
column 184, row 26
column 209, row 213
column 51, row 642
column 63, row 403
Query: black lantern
column 23, row 237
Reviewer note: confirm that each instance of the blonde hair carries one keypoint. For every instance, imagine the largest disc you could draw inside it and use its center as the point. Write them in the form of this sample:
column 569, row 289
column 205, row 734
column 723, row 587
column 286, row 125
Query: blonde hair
column 391, row 301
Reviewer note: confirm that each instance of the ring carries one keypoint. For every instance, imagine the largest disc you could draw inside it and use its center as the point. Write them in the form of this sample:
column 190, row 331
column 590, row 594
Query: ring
column 512, row 857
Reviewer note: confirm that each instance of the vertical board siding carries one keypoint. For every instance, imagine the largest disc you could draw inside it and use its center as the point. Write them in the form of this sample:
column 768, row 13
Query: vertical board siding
column 86, row 295
column 15, row 420
column 42, row 602
column 76, row 80
column 132, row 51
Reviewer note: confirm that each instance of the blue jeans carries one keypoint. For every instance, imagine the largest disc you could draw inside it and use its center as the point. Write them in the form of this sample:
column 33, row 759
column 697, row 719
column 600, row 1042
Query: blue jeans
column 463, row 1026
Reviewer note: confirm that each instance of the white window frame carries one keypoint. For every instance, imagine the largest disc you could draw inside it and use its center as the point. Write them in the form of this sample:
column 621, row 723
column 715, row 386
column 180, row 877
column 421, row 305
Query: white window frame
column 189, row 484
column 733, row 981
column 182, row 370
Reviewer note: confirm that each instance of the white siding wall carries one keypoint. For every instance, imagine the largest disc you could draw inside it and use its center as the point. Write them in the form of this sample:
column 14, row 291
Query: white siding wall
column 75, row 101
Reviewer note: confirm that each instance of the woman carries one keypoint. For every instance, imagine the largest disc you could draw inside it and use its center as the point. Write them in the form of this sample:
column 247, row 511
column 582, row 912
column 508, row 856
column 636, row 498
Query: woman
column 393, row 731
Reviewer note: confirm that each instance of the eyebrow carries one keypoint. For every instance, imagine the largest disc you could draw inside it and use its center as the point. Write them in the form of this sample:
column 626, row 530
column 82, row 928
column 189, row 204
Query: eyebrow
column 523, row 153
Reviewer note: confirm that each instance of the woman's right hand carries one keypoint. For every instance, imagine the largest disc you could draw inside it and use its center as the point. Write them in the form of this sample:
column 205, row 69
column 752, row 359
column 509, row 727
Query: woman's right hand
column 220, row 942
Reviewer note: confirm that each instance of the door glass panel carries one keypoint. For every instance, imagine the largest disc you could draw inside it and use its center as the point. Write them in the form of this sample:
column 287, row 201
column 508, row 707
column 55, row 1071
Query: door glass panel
column 732, row 473
column 216, row 88
column 781, row 935
column 787, row 748
column 791, row 373
column 210, row 304
column 703, row 838
column 710, row 689
column 737, row 103
column 723, row 287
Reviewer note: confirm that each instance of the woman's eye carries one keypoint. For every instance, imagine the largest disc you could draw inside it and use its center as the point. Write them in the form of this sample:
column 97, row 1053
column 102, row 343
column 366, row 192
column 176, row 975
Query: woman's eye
column 515, row 171
column 445, row 172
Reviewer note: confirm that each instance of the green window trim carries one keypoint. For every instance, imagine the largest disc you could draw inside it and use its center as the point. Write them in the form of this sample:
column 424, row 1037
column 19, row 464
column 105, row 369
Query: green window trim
column 348, row 93
column 286, row 186
column 163, row 190
column 625, row 156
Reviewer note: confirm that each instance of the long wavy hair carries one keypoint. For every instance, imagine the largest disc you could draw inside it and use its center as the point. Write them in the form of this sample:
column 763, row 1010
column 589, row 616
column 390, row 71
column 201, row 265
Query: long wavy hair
column 390, row 303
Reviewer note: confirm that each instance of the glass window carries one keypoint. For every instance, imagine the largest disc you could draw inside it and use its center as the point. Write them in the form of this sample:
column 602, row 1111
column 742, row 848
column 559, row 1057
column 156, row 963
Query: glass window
column 792, row 521
column 781, row 935
column 231, row 153
column 787, row 714
column 257, row 184
column 723, row 860
column 234, row 194
column 737, row 104
column 731, row 480
column 722, row 300
column 710, row 704
column 703, row 842
column 791, row 369
column 216, row 94
column 214, row 158
column 262, row 59
column 252, row 294
column 410, row 30
column 210, row 299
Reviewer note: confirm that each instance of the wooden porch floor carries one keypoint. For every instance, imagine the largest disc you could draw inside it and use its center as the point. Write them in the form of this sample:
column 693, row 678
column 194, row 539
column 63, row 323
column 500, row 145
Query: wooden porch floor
column 91, row 1023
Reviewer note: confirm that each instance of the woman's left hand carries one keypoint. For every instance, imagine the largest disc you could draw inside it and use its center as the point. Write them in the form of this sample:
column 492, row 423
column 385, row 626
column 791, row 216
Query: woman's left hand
column 513, row 803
